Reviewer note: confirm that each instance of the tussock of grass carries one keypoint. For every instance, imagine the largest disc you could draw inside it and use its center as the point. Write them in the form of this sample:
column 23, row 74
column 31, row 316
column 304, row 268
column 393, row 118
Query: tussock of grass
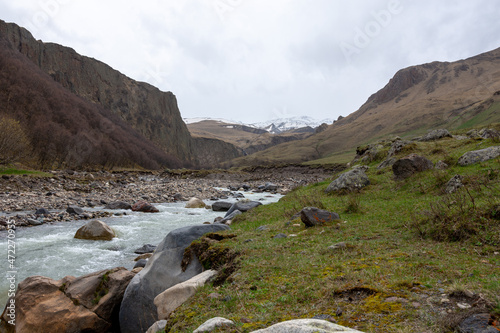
column 407, row 245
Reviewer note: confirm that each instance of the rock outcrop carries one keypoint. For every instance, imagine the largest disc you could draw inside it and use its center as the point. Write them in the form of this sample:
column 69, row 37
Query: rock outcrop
column 95, row 230
column 163, row 270
column 85, row 304
column 481, row 155
column 353, row 179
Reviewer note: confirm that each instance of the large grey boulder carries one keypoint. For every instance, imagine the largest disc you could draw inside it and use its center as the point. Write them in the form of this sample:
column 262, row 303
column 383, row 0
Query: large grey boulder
column 242, row 206
column 481, row 155
column 407, row 166
column 163, row 270
column 95, row 230
column 353, row 179
column 306, row 326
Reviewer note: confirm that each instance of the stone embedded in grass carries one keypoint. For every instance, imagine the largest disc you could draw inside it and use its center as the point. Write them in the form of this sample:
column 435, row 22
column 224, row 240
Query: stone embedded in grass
column 353, row 179
column 338, row 246
column 454, row 184
column 481, row 155
column 312, row 216
column 212, row 324
column 305, row 325
column 407, row 166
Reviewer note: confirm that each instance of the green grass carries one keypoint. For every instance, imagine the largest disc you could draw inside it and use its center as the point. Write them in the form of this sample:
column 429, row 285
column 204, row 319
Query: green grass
column 386, row 254
column 15, row 171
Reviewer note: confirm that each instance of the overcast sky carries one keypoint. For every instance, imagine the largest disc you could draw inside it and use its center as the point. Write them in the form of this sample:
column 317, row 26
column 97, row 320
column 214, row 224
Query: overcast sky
column 254, row 60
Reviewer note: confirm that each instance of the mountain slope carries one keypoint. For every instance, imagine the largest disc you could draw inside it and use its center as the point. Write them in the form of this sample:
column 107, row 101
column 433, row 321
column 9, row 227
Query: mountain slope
column 247, row 139
column 151, row 112
column 416, row 99
column 65, row 130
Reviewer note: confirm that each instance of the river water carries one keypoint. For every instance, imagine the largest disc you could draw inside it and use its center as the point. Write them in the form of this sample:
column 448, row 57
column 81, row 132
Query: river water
column 50, row 250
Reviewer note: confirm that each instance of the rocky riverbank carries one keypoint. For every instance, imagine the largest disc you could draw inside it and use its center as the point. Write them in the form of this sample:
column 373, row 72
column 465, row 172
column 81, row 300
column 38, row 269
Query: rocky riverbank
column 21, row 196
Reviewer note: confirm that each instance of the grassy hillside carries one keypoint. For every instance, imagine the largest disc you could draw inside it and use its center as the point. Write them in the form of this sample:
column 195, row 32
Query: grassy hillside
column 412, row 253
column 419, row 98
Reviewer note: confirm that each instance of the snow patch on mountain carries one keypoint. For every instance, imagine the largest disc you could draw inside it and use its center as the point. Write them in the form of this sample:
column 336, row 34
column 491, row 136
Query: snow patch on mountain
column 286, row 124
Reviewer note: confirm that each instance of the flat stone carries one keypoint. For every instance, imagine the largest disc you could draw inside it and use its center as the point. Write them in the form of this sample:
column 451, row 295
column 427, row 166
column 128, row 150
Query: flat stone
column 214, row 323
column 306, row 326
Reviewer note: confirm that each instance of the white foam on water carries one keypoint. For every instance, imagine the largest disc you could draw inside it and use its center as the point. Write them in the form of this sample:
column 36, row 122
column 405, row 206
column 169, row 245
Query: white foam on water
column 50, row 250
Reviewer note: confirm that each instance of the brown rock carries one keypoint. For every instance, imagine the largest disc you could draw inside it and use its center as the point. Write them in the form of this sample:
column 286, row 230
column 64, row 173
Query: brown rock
column 42, row 307
column 95, row 230
column 312, row 216
column 145, row 207
column 85, row 304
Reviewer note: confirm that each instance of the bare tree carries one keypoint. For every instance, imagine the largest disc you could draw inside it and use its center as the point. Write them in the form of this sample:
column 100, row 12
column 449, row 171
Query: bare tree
column 14, row 143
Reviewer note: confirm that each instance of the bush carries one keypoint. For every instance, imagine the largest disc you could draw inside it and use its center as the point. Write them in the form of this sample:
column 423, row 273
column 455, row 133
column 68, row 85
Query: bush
column 14, row 144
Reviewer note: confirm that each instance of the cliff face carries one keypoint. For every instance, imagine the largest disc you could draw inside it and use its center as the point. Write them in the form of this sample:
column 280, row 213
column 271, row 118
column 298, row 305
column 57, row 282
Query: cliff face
column 151, row 112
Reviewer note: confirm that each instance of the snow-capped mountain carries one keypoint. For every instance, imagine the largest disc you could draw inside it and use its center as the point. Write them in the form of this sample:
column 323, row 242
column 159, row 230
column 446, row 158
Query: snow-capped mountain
column 279, row 125
column 274, row 126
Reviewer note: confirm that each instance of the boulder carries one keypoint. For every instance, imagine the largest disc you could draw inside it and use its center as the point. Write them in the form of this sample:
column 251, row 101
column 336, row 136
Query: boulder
column 306, row 326
column 118, row 205
column 84, row 304
column 95, row 230
column 221, row 206
column 163, row 270
column 74, row 210
column 42, row 211
column 141, row 263
column 436, row 135
column 169, row 300
column 481, row 155
column 396, row 147
column 242, row 206
column 230, row 217
column 270, row 187
column 409, row 165
column 146, row 248
column 477, row 323
column 159, row 326
column 312, row 216
column 214, row 323
column 195, row 203
column 387, row 163
column 353, row 179
column 145, row 207
column 453, row 184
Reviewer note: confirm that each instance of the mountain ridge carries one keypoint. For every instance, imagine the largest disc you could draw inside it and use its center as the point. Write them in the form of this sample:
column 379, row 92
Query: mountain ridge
column 417, row 99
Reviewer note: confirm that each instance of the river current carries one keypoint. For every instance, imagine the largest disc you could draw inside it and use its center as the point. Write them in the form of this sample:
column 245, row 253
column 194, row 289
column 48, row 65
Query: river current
column 50, row 250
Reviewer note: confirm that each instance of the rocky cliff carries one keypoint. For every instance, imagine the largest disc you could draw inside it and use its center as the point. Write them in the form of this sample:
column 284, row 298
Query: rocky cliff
column 151, row 112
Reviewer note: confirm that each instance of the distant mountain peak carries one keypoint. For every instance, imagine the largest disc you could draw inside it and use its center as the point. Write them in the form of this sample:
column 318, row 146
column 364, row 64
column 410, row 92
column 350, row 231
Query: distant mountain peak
column 280, row 125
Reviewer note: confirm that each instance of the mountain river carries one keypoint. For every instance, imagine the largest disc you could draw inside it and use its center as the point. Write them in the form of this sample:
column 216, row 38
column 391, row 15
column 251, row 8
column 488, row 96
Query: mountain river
column 50, row 250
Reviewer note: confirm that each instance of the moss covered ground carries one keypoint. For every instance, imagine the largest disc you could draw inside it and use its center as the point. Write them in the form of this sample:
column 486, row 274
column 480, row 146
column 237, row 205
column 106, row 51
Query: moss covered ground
column 415, row 259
